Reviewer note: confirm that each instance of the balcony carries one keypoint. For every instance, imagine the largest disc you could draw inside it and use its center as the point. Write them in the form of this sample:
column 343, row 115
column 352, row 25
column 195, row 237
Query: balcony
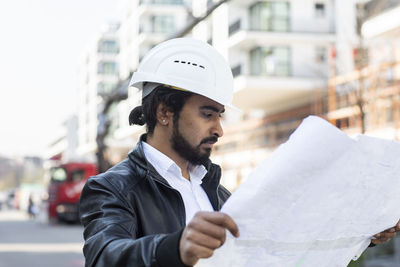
column 241, row 37
column 149, row 38
column 273, row 93
column 385, row 23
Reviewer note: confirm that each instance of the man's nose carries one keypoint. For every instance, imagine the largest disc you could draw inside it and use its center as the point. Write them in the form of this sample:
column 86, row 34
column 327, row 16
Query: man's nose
column 217, row 129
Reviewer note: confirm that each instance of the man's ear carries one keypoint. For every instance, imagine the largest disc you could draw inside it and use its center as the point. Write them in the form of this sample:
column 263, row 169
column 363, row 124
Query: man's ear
column 164, row 114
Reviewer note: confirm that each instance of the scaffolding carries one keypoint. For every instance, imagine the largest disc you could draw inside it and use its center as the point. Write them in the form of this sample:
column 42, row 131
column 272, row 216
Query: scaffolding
column 367, row 100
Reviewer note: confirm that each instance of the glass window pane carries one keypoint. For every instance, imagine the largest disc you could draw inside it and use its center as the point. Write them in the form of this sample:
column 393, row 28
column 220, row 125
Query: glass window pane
column 77, row 175
column 281, row 9
column 282, row 69
column 319, row 10
column 104, row 88
column 163, row 24
column 282, row 53
column 255, row 57
column 281, row 25
column 58, row 174
column 267, row 16
column 270, row 61
column 108, row 46
column 107, row 67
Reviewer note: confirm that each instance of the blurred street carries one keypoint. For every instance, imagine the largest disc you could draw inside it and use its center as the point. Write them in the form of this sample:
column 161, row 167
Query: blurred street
column 34, row 242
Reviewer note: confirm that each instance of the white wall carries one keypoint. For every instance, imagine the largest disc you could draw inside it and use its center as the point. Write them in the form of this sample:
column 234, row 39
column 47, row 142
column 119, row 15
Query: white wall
column 304, row 62
column 304, row 19
column 346, row 36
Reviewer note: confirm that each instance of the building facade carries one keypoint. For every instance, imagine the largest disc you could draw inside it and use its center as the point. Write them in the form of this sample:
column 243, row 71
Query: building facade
column 99, row 75
column 281, row 54
column 281, row 57
column 65, row 144
column 144, row 24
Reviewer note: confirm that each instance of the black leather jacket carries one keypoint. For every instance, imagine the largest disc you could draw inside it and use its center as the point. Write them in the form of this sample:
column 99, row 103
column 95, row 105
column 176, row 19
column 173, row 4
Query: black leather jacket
column 133, row 217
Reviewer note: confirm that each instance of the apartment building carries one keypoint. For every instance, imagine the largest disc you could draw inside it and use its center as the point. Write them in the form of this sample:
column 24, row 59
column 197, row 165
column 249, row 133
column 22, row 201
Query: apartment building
column 144, row 24
column 65, row 144
column 99, row 75
column 281, row 55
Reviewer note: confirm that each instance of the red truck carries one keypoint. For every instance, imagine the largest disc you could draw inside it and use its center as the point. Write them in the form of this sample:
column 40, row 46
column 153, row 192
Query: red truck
column 66, row 183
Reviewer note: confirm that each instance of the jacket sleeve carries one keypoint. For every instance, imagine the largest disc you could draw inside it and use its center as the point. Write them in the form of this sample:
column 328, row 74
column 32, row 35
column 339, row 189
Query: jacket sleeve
column 110, row 226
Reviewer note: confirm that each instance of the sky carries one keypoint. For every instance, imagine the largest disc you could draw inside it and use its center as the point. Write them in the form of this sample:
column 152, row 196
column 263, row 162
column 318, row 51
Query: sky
column 42, row 42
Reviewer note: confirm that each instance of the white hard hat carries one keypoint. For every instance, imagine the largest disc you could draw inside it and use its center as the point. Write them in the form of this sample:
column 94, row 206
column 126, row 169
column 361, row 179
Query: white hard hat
column 187, row 64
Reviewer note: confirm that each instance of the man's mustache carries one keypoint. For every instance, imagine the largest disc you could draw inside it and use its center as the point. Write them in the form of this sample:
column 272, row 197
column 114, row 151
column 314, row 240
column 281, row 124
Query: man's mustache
column 211, row 139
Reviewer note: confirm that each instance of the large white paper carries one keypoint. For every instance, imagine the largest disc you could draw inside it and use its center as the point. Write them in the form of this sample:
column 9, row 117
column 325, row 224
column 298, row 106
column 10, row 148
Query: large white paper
column 316, row 201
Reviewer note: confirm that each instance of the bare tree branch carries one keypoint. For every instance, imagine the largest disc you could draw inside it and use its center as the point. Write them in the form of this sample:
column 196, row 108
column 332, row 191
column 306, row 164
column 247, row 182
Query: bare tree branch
column 189, row 27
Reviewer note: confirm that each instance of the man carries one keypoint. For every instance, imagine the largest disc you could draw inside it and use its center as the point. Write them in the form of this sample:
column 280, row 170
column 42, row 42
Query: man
column 159, row 206
column 145, row 210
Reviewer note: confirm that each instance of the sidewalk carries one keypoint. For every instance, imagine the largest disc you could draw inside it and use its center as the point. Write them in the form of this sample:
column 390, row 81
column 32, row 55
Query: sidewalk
column 13, row 215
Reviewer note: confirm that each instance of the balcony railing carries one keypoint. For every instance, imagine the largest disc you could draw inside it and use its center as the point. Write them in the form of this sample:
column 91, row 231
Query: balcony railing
column 237, row 70
column 237, row 26
column 234, row 27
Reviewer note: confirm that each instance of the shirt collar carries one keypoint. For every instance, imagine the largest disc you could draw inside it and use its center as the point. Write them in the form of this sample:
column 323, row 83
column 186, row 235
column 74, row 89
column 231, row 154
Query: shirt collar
column 197, row 173
column 162, row 163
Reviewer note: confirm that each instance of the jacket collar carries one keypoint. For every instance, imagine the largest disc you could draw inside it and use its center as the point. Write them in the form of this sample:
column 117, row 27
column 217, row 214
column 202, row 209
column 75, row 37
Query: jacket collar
column 209, row 183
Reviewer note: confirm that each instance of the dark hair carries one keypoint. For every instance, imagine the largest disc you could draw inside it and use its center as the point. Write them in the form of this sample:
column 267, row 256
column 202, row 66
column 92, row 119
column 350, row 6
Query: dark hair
column 146, row 113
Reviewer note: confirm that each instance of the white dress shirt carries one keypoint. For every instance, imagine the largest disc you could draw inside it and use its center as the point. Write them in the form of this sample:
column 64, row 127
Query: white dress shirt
column 193, row 195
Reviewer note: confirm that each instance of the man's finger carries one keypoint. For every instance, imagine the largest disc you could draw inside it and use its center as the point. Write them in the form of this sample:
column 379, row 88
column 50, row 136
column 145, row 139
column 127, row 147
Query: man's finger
column 223, row 220
column 205, row 240
column 210, row 229
column 389, row 235
column 398, row 226
column 194, row 252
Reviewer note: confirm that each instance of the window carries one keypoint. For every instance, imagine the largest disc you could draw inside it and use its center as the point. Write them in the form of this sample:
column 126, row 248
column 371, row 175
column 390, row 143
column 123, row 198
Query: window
column 320, row 54
column 107, row 67
column 58, row 174
column 163, row 24
column 104, row 88
column 108, row 46
column 77, row 175
column 319, row 10
column 237, row 70
column 270, row 16
column 270, row 61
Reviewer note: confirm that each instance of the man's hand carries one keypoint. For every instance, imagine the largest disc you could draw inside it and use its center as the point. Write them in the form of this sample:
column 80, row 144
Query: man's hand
column 205, row 233
column 386, row 235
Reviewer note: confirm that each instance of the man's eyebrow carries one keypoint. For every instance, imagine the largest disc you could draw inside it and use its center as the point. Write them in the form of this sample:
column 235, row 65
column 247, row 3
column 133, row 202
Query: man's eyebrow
column 212, row 108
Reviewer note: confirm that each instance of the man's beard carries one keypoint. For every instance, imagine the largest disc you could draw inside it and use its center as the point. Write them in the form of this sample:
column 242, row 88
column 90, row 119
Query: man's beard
column 187, row 151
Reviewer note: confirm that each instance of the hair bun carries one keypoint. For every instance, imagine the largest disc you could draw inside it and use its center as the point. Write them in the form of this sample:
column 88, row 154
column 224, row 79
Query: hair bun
column 136, row 116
